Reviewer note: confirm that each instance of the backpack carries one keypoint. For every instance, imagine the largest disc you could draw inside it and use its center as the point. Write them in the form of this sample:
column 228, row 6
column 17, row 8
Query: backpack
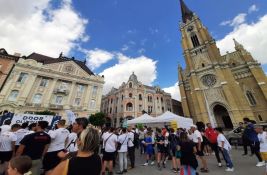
column 173, row 141
column 136, row 139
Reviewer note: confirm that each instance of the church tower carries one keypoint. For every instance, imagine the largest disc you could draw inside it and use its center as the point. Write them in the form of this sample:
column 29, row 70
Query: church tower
column 215, row 88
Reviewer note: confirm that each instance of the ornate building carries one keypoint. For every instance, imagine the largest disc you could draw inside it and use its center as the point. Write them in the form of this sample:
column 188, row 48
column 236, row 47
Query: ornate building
column 7, row 62
column 38, row 83
column 221, row 89
column 133, row 98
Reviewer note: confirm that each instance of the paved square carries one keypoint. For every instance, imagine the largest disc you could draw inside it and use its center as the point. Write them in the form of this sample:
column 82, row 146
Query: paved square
column 244, row 165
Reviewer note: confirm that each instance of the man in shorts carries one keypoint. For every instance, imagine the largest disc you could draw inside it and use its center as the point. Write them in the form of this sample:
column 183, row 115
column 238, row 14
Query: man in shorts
column 58, row 140
column 7, row 148
column 197, row 139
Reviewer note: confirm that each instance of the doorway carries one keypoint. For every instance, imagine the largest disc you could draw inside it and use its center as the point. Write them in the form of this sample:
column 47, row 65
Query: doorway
column 222, row 117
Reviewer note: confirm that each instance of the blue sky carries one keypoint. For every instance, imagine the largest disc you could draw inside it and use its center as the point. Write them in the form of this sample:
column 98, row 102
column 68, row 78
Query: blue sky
column 135, row 35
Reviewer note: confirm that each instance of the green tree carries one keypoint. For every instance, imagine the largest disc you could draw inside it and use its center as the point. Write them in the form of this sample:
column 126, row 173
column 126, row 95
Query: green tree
column 97, row 119
column 46, row 112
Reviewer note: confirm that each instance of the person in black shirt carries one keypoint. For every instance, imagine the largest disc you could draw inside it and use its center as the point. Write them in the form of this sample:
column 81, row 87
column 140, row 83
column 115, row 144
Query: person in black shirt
column 188, row 158
column 86, row 161
column 35, row 146
column 160, row 148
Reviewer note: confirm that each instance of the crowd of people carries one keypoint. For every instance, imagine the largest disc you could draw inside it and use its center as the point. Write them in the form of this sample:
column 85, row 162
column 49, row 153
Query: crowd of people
column 82, row 149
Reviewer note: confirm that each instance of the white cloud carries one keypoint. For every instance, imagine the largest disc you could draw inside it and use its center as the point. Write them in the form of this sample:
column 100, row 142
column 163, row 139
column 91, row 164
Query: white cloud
column 239, row 19
column 125, row 47
column 253, row 36
column 35, row 26
column 95, row 58
column 253, row 8
column 174, row 91
column 143, row 67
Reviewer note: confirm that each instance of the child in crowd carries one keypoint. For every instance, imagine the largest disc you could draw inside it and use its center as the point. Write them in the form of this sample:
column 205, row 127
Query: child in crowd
column 225, row 148
column 19, row 165
column 148, row 147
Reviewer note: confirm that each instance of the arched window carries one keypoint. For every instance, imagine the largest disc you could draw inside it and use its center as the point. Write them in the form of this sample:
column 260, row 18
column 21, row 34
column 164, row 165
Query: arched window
column 195, row 40
column 37, row 98
column 121, row 97
column 130, row 95
column 130, row 85
column 162, row 109
column 161, row 99
column 260, row 118
column 129, row 107
column 140, row 96
column 251, row 98
column 203, row 65
column 13, row 95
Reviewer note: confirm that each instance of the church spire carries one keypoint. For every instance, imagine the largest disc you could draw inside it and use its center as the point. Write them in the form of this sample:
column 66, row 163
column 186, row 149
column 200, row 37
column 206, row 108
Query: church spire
column 186, row 12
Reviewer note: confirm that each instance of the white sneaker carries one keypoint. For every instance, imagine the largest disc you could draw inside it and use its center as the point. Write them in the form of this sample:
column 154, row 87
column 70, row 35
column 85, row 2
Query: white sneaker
column 145, row 164
column 229, row 169
column 152, row 163
column 259, row 164
column 219, row 164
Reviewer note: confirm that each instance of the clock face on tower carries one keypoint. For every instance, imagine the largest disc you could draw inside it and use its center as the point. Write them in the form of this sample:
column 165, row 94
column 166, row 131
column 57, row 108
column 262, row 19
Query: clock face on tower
column 190, row 28
column 209, row 80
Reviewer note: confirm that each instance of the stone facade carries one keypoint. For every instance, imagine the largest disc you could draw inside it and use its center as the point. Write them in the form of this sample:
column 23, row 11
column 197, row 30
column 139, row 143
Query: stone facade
column 7, row 62
column 133, row 98
column 38, row 83
column 177, row 107
column 221, row 89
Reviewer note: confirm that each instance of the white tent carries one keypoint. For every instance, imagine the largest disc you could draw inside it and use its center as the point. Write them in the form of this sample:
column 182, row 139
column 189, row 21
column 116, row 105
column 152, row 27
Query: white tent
column 145, row 118
column 168, row 116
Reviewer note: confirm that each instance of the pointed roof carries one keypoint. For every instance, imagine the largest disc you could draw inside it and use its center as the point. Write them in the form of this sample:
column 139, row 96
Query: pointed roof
column 186, row 12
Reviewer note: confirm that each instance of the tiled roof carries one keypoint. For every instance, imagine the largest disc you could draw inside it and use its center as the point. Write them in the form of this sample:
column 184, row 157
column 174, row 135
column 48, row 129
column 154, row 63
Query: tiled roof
column 49, row 60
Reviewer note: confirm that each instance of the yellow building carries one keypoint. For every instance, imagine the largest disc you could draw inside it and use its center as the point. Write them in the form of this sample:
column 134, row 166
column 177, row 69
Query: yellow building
column 221, row 89
column 38, row 83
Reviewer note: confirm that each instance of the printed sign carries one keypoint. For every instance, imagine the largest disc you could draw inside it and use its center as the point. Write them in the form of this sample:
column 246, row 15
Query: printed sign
column 31, row 118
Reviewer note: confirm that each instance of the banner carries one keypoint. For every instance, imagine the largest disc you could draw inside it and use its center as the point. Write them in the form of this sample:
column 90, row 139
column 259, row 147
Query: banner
column 31, row 118
column 71, row 117
column 54, row 122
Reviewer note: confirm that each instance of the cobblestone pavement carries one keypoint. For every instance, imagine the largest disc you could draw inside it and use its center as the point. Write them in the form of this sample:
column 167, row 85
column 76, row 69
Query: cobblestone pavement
column 244, row 165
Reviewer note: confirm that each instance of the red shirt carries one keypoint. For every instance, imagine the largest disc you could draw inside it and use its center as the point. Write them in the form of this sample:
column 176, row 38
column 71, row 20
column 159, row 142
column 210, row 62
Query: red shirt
column 211, row 134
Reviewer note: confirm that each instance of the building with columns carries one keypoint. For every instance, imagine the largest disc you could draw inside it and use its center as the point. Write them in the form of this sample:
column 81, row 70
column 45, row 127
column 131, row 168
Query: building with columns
column 133, row 98
column 38, row 82
column 221, row 89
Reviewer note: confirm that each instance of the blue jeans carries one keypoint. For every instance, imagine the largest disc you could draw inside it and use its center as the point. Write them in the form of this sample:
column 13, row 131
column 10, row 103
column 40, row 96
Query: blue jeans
column 188, row 170
column 227, row 158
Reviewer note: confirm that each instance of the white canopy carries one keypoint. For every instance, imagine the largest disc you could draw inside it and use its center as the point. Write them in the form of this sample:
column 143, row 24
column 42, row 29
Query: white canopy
column 168, row 116
column 145, row 118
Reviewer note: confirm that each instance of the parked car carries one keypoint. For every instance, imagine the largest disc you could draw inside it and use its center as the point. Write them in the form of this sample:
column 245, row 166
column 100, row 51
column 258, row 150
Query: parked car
column 235, row 136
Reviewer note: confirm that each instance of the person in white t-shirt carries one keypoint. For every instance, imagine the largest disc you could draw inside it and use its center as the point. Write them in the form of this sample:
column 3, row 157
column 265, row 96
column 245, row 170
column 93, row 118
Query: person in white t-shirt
column 197, row 139
column 20, row 133
column 122, row 140
column 7, row 148
column 131, row 147
column 110, row 143
column 58, row 140
column 6, row 126
column 262, row 135
column 225, row 148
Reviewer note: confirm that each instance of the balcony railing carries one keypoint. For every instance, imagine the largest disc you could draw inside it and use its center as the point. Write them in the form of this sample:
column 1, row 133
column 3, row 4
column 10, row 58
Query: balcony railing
column 33, row 104
column 55, row 106
column 61, row 91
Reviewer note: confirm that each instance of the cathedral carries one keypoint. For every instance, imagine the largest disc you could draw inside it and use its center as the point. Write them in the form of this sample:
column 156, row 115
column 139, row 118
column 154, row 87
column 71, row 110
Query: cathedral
column 215, row 88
